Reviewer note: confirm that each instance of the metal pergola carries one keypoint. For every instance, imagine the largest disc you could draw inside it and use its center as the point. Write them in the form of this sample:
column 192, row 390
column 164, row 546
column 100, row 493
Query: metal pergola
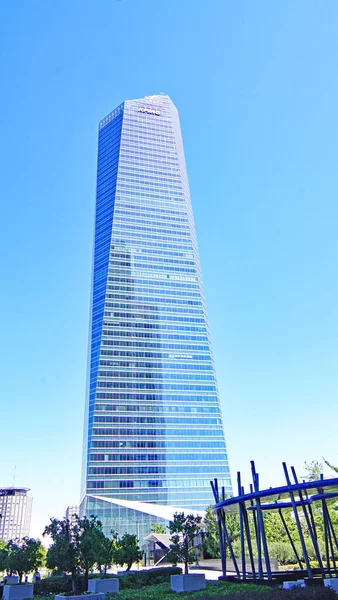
column 301, row 498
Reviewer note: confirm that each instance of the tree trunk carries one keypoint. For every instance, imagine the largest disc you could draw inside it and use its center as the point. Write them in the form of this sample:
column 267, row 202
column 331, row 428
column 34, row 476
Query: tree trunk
column 129, row 567
column 186, row 569
column 20, row 576
column 86, row 579
column 74, row 583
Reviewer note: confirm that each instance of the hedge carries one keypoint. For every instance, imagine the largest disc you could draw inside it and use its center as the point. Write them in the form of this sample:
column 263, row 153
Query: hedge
column 139, row 579
column 59, row 584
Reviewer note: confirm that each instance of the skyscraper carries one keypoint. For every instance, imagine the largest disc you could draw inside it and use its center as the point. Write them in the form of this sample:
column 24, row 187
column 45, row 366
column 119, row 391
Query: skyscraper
column 16, row 512
column 153, row 434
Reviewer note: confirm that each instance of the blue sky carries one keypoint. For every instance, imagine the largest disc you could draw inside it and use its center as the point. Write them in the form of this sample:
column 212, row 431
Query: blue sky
column 256, row 87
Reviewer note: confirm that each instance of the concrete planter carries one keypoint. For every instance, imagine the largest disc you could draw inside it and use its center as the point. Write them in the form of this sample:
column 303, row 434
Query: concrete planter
column 332, row 582
column 287, row 585
column 11, row 579
column 106, row 586
column 81, row 597
column 187, row 583
column 19, row 591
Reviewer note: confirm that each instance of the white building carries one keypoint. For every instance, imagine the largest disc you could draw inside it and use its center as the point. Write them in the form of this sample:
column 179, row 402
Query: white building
column 16, row 512
column 71, row 511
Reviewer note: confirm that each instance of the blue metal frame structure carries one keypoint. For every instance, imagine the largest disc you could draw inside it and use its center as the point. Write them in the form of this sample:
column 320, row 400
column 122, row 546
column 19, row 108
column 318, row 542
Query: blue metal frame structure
column 300, row 497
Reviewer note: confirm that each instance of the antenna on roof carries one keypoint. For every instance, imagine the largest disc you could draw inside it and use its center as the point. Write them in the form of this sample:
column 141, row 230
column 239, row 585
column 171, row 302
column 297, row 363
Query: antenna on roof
column 14, row 470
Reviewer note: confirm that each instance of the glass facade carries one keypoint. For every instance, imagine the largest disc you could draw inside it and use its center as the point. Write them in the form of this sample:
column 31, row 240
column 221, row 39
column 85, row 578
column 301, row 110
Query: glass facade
column 153, row 424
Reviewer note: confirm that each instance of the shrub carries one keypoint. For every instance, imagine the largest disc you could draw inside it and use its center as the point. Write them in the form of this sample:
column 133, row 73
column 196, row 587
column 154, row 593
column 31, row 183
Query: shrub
column 139, row 579
column 283, row 552
column 58, row 584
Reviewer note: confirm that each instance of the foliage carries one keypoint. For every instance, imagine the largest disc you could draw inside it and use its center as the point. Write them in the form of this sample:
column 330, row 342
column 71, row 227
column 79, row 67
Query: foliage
column 211, row 547
column 274, row 528
column 60, row 584
column 184, row 530
column 125, row 550
column 63, row 554
column 3, row 555
column 140, row 579
column 216, row 590
column 313, row 470
column 219, row 590
column 104, row 555
column 24, row 556
column 57, row 584
column 335, row 469
column 158, row 528
column 76, row 546
column 283, row 552
column 93, row 546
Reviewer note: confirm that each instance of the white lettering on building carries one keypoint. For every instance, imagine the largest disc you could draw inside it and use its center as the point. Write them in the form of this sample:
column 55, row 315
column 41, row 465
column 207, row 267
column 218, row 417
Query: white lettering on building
column 149, row 111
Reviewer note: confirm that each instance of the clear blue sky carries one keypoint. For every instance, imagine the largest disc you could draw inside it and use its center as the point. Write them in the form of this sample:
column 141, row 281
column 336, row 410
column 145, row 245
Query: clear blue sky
column 257, row 90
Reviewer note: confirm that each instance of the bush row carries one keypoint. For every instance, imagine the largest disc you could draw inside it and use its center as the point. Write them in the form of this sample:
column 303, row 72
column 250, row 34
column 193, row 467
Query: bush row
column 59, row 584
column 139, row 579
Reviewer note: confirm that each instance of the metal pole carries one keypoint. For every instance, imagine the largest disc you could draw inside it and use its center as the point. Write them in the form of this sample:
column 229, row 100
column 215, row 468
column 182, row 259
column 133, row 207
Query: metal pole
column 290, row 538
column 326, row 537
column 227, row 537
column 241, row 527
column 331, row 526
column 214, row 488
column 299, row 527
column 248, row 538
column 261, row 521
column 258, row 540
column 312, row 532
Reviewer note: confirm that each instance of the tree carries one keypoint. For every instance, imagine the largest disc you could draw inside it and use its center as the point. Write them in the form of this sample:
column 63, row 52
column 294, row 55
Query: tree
column 76, row 546
column 91, row 541
column 158, row 528
column 274, row 528
column 313, row 470
column 126, row 551
column 64, row 553
column 184, row 532
column 335, row 469
column 3, row 555
column 104, row 558
column 25, row 556
column 211, row 546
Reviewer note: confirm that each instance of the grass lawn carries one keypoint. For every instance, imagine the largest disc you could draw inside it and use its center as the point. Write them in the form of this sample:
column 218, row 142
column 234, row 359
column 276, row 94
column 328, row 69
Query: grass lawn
column 162, row 591
column 220, row 590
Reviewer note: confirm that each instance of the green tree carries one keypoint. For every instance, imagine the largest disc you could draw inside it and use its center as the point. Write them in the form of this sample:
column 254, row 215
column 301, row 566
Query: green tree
column 104, row 558
column 126, row 551
column 76, row 546
column 3, row 555
column 313, row 470
column 64, row 553
column 332, row 467
column 211, row 545
column 184, row 530
column 91, row 540
column 274, row 528
column 158, row 528
column 25, row 556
